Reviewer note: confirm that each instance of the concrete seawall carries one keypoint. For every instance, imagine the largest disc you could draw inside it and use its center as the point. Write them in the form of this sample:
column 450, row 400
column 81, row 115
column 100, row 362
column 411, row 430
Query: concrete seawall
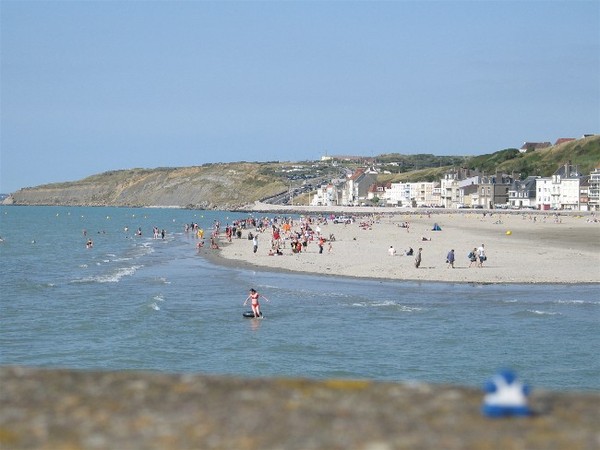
column 66, row 409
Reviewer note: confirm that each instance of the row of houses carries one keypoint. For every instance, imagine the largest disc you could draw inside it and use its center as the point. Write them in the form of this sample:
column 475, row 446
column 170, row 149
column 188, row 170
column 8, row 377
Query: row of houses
column 566, row 189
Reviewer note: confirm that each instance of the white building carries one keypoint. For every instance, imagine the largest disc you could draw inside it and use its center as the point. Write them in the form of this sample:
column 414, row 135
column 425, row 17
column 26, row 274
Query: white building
column 449, row 191
column 413, row 194
column 398, row 194
column 356, row 187
column 560, row 191
column 594, row 191
column 326, row 195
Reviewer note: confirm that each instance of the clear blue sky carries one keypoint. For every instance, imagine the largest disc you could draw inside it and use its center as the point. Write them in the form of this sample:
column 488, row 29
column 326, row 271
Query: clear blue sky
column 91, row 86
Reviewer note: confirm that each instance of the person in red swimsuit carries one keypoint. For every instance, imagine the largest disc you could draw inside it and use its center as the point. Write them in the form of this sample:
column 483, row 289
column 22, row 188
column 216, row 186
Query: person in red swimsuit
column 253, row 297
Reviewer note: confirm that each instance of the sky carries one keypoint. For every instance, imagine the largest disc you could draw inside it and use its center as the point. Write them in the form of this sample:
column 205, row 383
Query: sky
column 92, row 86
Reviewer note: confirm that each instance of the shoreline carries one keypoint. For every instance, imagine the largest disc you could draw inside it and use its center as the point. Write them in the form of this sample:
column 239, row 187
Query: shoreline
column 523, row 248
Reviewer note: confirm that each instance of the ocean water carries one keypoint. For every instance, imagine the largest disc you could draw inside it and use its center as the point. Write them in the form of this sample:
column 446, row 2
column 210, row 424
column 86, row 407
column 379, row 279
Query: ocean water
column 138, row 303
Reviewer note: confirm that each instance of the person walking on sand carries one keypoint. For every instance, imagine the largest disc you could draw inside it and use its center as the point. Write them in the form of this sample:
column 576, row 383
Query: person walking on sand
column 253, row 297
column 472, row 257
column 481, row 255
column 255, row 243
column 392, row 251
column 418, row 258
column 450, row 258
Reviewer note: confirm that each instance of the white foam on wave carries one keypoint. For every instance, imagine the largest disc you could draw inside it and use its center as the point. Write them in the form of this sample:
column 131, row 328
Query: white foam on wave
column 147, row 246
column 159, row 298
column 384, row 303
column 387, row 304
column 409, row 308
column 543, row 313
column 114, row 277
column 155, row 307
column 576, row 302
column 143, row 249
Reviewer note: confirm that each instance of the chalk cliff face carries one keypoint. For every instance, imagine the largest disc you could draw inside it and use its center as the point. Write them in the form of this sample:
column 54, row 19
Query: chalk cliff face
column 209, row 186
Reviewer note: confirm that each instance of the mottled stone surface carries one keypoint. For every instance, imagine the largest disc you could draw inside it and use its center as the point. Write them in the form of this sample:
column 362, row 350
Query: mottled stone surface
column 66, row 409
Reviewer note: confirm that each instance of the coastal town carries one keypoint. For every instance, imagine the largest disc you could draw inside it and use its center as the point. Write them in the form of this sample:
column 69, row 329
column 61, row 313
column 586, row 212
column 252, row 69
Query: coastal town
column 566, row 189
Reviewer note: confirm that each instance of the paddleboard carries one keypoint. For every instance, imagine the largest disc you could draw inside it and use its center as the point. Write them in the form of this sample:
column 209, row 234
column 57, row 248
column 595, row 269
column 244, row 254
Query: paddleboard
column 250, row 315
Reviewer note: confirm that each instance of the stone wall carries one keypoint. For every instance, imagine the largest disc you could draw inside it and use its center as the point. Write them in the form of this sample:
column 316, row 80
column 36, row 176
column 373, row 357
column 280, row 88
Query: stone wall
column 66, row 409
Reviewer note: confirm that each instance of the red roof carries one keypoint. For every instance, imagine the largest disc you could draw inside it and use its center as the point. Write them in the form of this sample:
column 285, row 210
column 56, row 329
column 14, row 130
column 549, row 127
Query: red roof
column 357, row 173
column 563, row 140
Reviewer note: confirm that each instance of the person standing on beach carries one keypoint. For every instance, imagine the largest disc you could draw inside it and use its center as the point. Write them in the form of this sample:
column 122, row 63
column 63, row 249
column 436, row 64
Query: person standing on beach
column 255, row 243
column 472, row 257
column 321, row 244
column 481, row 255
column 418, row 258
column 253, row 297
column 450, row 258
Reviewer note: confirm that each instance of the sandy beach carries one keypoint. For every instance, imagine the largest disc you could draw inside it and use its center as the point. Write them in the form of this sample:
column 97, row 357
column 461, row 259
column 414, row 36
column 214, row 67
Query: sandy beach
column 520, row 247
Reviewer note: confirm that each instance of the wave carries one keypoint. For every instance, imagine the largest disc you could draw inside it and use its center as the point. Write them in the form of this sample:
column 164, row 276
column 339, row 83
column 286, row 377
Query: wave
column 543, row 313
column 409, row 308
column 386, row 304
column 114, row 277
column 577, row 302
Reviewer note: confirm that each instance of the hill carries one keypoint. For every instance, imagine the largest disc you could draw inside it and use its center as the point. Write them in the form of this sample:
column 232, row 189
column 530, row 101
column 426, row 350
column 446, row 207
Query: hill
column 207, row 186
column 584, row 153
column 234, row 185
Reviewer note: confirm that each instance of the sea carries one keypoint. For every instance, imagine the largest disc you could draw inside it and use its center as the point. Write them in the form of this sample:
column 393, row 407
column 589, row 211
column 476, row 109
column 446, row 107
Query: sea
column 137, row 303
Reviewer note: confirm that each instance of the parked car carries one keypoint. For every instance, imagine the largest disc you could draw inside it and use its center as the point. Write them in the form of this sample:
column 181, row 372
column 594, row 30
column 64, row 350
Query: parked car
column 342, row 219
